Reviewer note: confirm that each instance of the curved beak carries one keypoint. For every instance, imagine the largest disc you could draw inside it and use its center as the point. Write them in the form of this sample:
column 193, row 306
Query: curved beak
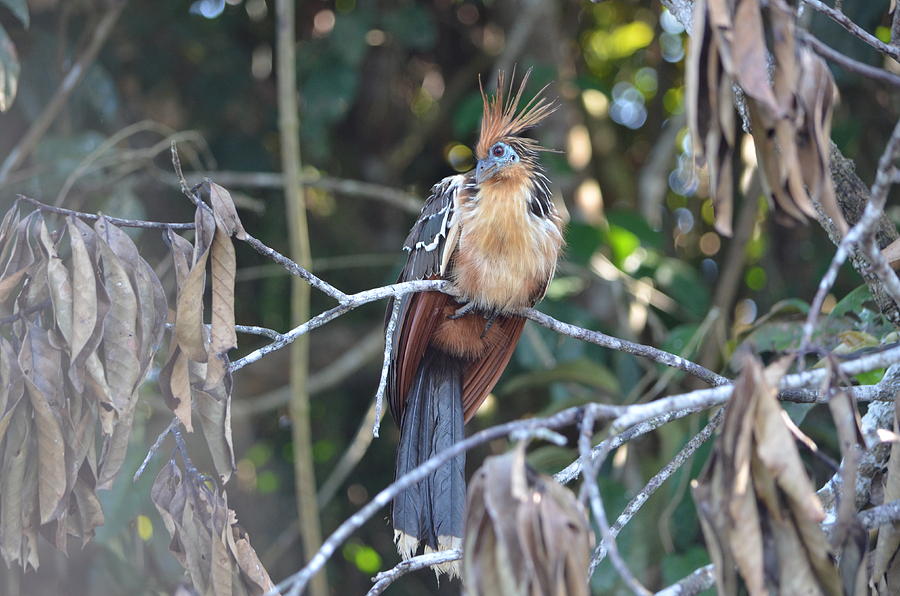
column 485, row 170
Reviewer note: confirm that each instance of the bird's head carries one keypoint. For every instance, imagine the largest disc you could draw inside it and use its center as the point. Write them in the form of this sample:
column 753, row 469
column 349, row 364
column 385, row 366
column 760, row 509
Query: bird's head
column 501, row 153
column 500, row 161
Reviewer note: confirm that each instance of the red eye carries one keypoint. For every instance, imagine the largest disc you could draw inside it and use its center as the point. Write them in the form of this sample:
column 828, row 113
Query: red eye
column 497, row 150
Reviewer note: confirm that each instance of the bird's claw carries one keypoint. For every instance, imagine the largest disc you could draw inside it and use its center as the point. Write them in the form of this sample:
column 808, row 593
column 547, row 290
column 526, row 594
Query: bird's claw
column 462, row 310
column 489, row 324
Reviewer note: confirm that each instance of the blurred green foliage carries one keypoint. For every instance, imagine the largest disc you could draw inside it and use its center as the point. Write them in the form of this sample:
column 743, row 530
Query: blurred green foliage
column 387, row 89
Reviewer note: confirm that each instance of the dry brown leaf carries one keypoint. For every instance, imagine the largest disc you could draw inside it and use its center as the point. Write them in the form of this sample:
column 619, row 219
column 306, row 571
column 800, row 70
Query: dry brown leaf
column 206, row 539
column 225, row 212
column 120, row 341
column 752, row 58
column 14, row 543
column 758, row 509
column 888, row 542
column 12, row 385
column 189, row 310
column 42, row 369
column 84, row 302
column 175, row 386
column 214, row 411
column 151, row 298
column 181, row 256
column 524, row 533
column 789, row 102
column 222, row 336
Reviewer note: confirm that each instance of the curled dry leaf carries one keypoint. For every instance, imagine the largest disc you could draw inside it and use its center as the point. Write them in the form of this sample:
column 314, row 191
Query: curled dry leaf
column 86, row 321
column 222, row 335
column 205, row 383
column 886, row 564
column 757, row 506
column 524, row 533
column 206, row 539
column 789, row 94
column 225, row 212
column 189, row 309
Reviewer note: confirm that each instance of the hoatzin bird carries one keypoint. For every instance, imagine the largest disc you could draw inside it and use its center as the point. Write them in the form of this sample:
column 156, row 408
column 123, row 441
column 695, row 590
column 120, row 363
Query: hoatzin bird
column 495, row 234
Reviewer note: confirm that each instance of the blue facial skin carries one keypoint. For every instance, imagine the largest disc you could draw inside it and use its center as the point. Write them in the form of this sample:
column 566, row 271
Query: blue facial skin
column 499, row 155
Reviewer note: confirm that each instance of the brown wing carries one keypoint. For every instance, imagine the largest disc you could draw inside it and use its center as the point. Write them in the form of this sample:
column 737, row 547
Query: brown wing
column 424, row 311
column 429, row 244
column 484, row 373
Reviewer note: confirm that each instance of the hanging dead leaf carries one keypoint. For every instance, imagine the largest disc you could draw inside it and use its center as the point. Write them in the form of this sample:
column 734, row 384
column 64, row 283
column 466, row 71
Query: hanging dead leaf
column 42, row 367
column 222, row 336
column 189, row 312
column 758, row 509
column 789, row 102
column 17, row 531
column 225, row 212
column 524, row 533
column 206, row 539
column 214, row 410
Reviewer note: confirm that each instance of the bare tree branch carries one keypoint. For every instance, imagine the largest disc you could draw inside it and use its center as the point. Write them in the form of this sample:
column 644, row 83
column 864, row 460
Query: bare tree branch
column 862, row 233
column 128, row 223
column 622, row 416
column 858, row 32
column 388, row 346
column 69, row 83
column 386, row 578
column 353, row 188
column 590, row 488
column 705, row 398
column 654, row 483
column 698, row 581
column 826, row 51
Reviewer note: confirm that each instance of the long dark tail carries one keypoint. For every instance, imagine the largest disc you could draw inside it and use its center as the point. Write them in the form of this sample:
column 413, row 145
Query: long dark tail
column 432, row 512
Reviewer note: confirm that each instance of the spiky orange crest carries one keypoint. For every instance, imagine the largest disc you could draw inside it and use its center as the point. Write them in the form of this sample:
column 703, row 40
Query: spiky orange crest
column 500, row 118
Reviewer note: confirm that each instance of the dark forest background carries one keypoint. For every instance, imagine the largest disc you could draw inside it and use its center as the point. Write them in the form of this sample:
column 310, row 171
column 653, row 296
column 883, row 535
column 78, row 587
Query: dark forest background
column 389, row 95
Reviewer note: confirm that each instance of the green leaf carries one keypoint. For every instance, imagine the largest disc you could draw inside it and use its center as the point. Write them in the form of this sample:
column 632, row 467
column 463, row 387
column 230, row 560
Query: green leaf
column 622, row 242
column 582, row 241
column 637, row 225
column 854, row 302
column 581, row 371
column 19, row 8
column 9, row 71
column 684, row 285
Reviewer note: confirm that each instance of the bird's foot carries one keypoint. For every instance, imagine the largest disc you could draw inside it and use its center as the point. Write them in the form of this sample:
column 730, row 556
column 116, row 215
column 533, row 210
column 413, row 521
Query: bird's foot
column 490, row 322
column 462, row 310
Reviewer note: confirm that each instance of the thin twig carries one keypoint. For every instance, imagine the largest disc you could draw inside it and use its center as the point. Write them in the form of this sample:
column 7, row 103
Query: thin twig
column 621, row 345
column 298, row 580
column 155, row 447
column 654, row 483
column 350, row 361
column 596, row 500
column 69, row 83
column 706, row 398
column 861, row 232
column 295, row 269
column 385, row 365
column 826, row 51
column 701, row 579
column 354, row 188
column 881, row 515
column 624, row 417
column 351, row 302
column 386, row 578
column 844, row 21
column 127, row 223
